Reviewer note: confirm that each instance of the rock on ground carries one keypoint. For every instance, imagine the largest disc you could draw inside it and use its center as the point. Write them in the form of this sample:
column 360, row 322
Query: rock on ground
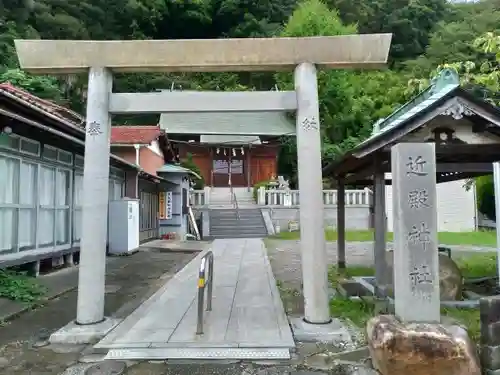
column 451, row 281
column 420, row 348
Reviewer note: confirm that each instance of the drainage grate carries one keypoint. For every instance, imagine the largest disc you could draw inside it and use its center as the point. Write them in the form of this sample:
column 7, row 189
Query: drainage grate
column 199, row 353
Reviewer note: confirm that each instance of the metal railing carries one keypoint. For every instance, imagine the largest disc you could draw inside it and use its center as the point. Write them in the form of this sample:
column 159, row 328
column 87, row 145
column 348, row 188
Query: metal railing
column 203, row 283
column 235, row 205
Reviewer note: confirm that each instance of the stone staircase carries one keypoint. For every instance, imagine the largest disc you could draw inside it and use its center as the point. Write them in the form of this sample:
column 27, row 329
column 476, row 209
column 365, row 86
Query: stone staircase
column 225, row 223
column 245, row 198
column 220, row 198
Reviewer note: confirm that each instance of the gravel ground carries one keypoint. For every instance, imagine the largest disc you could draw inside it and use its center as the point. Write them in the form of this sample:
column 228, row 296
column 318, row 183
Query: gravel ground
column 286, row 264
column 285, row 260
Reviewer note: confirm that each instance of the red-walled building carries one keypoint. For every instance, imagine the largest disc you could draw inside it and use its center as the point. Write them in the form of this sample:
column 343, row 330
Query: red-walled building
column 245, row 162
column 241, row 147
column 140, row 145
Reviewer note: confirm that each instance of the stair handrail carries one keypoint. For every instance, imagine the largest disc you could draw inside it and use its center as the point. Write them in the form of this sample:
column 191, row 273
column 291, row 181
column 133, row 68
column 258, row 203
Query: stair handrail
column 192, row 224
column 202, row 283
column 235, row 205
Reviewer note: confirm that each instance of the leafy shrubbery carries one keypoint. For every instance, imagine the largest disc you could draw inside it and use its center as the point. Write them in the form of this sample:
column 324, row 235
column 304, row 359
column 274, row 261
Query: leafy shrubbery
column 19, row 287
column 256, row 188
column 191, row 165
column 485, row 195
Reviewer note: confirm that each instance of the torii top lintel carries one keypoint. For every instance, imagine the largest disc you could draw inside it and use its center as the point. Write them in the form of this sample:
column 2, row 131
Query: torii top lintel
column 203, row 55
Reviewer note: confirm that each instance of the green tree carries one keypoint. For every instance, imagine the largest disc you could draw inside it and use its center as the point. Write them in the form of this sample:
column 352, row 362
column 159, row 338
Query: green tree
column 313, row 18
column 189, row 163
column 350, row 102
column 482, row 78
column 452, row 40
column 410, row 21
column 45, row 87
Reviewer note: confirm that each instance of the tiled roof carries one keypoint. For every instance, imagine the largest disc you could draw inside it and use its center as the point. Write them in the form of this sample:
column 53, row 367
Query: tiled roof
column 440, row 87
column 230, row 139
column 172, row 168
column 236, row 123
column 43, row 105
column 134, row 134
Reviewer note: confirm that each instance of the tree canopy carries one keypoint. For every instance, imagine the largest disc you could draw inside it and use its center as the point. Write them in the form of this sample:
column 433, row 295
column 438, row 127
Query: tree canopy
column 426, row 35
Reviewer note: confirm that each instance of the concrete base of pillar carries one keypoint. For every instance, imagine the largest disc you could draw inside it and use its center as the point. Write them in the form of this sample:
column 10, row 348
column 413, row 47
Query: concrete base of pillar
column 334, row 333
column 75, row 334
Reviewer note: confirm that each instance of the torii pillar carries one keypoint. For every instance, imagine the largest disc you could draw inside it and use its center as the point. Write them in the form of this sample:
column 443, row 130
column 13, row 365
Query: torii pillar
column 100, row 58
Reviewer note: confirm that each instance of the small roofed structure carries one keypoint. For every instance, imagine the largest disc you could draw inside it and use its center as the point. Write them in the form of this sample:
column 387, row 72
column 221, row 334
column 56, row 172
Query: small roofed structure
column 237, row 149
column 177, row 169
column 465, row 129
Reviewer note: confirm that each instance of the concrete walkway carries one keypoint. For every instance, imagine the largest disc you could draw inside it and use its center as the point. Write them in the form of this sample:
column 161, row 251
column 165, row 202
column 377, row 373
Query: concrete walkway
column 247, row 321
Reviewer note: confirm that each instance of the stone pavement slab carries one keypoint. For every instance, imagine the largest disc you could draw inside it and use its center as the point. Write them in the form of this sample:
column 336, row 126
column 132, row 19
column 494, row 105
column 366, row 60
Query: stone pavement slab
column 247, row 320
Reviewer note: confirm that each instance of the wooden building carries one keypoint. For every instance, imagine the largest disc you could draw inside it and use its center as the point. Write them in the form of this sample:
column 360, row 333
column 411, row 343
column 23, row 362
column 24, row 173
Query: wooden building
column 225, row 158
column 230, row 148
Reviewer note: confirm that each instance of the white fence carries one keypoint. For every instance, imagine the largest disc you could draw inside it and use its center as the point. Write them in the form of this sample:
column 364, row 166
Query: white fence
column 292, row 197
column 199, row 198
column 286, row 198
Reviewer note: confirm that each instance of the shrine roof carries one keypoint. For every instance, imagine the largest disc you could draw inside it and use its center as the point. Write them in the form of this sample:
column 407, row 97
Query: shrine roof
column 227, row 123
column 417, row 119
column 231, row 140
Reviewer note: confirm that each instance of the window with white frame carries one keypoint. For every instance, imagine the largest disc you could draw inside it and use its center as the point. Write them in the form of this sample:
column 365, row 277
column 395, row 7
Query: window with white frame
column 9, row 170
column 54, row 200
column 77, row 207
column 116, row 191
column 17, row 204
column 79, row 161
column 21, row 144
column 62, row 206
column 26, row 237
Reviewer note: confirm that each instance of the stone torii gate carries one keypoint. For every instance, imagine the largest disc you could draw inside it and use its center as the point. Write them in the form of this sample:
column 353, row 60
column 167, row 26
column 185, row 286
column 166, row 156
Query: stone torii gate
column 100, row 59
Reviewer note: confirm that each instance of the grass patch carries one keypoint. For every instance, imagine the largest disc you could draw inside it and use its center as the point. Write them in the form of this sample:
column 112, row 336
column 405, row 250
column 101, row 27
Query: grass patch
column 477, row 265
column 336, row 275
column 331, row 235
column 19, row 287
column 478, row 238
column 359, row 312
column 468, row 317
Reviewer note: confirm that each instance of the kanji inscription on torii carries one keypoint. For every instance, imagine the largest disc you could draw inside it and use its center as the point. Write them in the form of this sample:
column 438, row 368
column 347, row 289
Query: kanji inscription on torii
column 94, row 128
column 310, row 123
column 416, row 283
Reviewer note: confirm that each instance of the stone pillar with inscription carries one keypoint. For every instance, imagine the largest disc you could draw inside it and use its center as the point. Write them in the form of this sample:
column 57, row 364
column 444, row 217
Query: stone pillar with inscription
column 91, row 278
column 416, row 267
column 312, row 243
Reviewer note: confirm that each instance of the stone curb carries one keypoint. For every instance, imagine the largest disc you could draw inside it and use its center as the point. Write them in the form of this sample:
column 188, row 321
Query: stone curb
column 19, row 308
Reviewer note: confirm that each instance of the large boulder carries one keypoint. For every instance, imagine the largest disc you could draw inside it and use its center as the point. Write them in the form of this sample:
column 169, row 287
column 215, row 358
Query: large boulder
column 451, row 281
column 420, row 348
